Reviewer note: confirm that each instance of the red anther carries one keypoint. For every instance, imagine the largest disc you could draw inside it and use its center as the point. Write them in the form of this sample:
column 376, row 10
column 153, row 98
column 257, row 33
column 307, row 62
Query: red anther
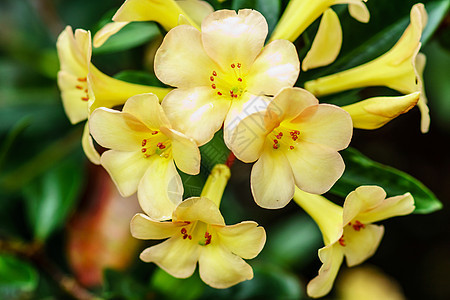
column 183, row 230
column 213, row 86
column 291, row 147
column 280, row 134
column 275, row 141
column 79, row 87
column 143, row 150
column 235, row 96
column 214, row 73
column 144, row 142
column 85, row 98
column 86, row 91
column 294, row 137
column 190, row 237
column 154, row 132
column 219, row 93
column 240, row 79
column 275, row 146
column 358, row 225
column 238, row 65
column 206, row 234
column 185, row 236
column 211, row 78
column 82, row 79
column 342, row 241
column 233, row 66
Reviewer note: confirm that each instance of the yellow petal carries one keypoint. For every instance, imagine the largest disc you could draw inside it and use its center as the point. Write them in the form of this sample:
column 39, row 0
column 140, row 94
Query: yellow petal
column 144, row 228
column 107, row 31
column 198, row 209
column 115, row 130
column 272, row 181
column 315, row 167
column 73, row 98
column 196, row 10
column 375, row 112
column 196, row 112
column 331, row 257
column 245, row 239
column 362, row 199
column 88, row 146
column 290, row 102
column 126, row 169
column 221, row 269
column 181, row 60
column 234, row 38
column 390, row 207
column 146, row 108
column 160, row 189
column 327, row 43
column 276, row 67
column 74, row 51
column 362, row 244
column 422, row 104
column 176, row 256
column 185, row 153
column 324, row 124
column 357, row 9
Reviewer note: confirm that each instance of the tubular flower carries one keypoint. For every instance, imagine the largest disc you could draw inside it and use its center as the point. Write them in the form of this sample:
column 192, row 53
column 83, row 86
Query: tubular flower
column 396, row 69
column 168, row 13
column 198, row 232
column 143, row 150
column 220, row 71
column 299, row 14
column 83, row 87
column 375, row 112
column 296, row 142
column 349, row 231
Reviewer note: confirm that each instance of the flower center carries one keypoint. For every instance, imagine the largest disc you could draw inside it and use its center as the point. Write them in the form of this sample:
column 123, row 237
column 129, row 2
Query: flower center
column 283, row 138
column 156, row 144
column 195, row 231
column 82, row 86
column 357, row 225
column 231, row 83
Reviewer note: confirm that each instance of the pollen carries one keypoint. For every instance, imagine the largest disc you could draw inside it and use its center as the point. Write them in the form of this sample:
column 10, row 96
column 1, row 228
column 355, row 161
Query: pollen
column 357, row 225
column 342, row 241
column 233, row 66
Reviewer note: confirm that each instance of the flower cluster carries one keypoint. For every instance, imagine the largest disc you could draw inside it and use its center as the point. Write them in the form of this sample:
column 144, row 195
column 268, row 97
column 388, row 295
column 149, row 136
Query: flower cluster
column 222, row 74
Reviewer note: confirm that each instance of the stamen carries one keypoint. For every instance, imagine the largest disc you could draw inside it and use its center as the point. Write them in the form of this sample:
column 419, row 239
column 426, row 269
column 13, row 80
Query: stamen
column 233, row 66
column 240, row 79
column 144, row 142
column 214, row 73
column 275, row 146
column 239, row 65
column 79, row 87
column 219, row 93
column 85, row 98
column 358, row 225
column 213, row 86
column 82, row 79
column 155, row 132
column 211, row 78
column 143, row 150
column 291, row 147
column 342, row 241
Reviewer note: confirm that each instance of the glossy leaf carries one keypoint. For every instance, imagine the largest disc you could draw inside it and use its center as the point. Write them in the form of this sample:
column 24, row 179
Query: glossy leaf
column 18, row 279
column 174, row 288
column 360, row 170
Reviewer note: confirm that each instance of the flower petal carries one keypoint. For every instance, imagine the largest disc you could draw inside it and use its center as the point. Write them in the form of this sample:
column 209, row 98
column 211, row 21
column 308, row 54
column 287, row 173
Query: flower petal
column 88, row 146
column 144, row 228
column 234, row 38
column 327, row 42
column 176, row 256
column 272, row 181
column 198, row 209
column 196, row 10
column 331, row 257
column 275, row 68
column 245, row 239
column 160, row 189
column 125, row 168
column 316, row 168
column 107, row 31
column 362, row 199
column 221, row 269
column 185, row 153
column 72, row 97
column 195, row 112
column 181, row 60
column 325, row 124
column 116, row 130
column 391, row 207
column 74, row 51
column 146, row 108
column 362, row 244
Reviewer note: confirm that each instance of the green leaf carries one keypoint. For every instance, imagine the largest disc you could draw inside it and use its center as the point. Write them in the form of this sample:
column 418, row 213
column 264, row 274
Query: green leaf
column 132, row 35
column 175, row 288
column 361, row 170
column 120, row 285
column 437, row 10
column 138, row 77
column 18, row 279
column 214, row 152
column 51, row 197
column 270, row 9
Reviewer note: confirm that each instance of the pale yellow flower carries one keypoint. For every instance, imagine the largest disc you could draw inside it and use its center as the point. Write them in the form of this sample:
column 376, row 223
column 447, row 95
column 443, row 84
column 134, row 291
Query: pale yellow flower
column 349, row 231
column 197, row 233
column 84, row 88
column 168, row 13
column 296, row 142
column 143, row 150
column 220, row 70
column 399, row 69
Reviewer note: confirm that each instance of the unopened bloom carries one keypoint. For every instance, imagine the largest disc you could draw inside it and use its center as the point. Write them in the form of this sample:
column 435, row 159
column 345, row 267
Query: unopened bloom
column 168, row 13
column 219, row 70
column 84, row 88
column 143, row 150
column 197, row 233
column 296, row 142
column 348, row 231
column 398, row 69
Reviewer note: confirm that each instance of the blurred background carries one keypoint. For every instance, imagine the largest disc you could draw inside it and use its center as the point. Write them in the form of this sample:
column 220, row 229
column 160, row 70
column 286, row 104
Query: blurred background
column 64, row 229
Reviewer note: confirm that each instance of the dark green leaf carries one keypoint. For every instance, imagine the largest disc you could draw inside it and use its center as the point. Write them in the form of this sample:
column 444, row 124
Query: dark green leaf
column 214, row 152
column 437, row 10
column 18, row 279
column 175, row 288
column 138, row 77
column 361, row 170
column 132, row 35
column 269, row 8
column 119, row 285
column 51, row 197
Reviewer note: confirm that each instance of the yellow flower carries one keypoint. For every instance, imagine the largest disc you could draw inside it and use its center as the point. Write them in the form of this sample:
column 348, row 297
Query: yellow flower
column 349, row 231
column 398, row 69
column 375, row 112
column 197, row 233
column 299, row 14
column 144, row 148
column 219, row 70
column 168, row 13
column 84, row 88
column 296, row 142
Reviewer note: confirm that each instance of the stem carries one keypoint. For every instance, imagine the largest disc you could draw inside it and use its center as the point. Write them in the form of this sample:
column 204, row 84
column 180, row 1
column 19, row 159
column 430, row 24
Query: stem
column 216, row 183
